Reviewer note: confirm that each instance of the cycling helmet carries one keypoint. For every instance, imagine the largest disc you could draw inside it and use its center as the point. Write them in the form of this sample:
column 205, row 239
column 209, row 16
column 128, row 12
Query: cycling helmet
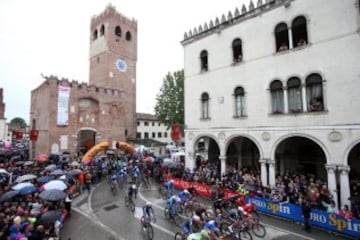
column 134, row 186
column 148, row 204
column 196, row 218
column 186, row 191
column 240, row 208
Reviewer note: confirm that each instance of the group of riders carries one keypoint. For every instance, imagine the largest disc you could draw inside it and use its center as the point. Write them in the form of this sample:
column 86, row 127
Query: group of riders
column 199, row 226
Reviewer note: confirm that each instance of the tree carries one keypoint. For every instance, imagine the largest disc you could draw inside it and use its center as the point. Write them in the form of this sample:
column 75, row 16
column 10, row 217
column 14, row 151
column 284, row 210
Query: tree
column 169, row 106
column 17, row 124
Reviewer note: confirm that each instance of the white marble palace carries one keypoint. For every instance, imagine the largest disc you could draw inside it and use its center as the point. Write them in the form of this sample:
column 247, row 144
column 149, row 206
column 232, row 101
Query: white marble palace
column 275, row 86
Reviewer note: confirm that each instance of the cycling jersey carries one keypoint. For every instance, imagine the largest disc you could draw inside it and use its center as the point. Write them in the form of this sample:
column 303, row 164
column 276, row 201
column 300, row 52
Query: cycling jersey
column 184, row 196
column 148, row 211
column 211, row 225
column 203, row 235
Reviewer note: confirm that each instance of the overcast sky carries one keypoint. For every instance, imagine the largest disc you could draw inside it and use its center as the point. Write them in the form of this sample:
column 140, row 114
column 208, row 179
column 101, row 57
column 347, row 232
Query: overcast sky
column 51, row 37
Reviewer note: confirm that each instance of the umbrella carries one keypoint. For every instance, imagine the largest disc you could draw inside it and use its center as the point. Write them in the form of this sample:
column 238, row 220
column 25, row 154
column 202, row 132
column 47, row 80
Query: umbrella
column 27, row 190
column 28, row 163
column 50, row 216
column 148, row 159
column 52, row 195
column 18, row 163
column 26, row 177
column 50, row 167
column 22, row 185
column 45, row 179
column 3, row 171
column 8, row 195
column 57, row 172
column 42, row 157
column 74, row 164
column 55, row 184
column 74, row 172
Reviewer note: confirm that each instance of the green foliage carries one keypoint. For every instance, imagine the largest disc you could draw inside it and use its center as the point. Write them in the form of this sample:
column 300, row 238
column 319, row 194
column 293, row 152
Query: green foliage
column 169, row 106
column 17, row 124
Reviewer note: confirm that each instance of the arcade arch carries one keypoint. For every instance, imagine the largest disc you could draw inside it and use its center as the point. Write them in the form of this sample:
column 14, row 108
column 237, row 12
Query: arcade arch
column 242, row 152
column 207, row 149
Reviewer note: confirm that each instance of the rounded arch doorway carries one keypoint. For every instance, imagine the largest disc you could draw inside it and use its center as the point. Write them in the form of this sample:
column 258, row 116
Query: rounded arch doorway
column 242, row 152
column 207, row 151
column 86, row 139
column 300, row 155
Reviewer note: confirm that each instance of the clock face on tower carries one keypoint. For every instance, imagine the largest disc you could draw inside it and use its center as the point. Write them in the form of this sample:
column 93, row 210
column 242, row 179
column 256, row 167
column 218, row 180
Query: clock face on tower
column 121, row 65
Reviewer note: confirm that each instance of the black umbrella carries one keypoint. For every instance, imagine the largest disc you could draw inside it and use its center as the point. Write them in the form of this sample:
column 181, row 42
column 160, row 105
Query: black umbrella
column 8, row 195
column 52, row 195
column 50, row 216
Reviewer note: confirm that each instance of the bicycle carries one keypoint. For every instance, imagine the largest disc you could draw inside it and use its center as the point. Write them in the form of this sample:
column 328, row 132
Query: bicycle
column 113, row 188
column 147, row 227
column 237, row 231
column 163, row 192
column 146, row 183
column 175, row 217
column 181, row 235
column 129, row 203
column 256, row 227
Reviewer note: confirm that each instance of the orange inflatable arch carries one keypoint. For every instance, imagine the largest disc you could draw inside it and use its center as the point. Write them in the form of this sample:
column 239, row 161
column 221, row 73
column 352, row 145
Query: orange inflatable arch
column 89, row 155
column 126, row 147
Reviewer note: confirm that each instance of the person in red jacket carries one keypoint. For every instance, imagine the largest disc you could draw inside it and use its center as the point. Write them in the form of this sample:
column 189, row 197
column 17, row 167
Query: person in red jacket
column 345, row 212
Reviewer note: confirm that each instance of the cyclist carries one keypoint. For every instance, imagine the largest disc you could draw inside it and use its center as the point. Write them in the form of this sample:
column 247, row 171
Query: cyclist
column 196, row 224
column 132, row 191
column 171, row 202
column 148, row 211
column 113, row 180
column 184, row 195
column 169, row 186
column 202, row 235
column 212, row 227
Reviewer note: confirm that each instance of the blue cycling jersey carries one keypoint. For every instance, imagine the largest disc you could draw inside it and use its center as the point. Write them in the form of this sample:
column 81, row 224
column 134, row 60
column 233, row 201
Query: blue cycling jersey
column 184, row 196
column 211, row 225
column 169, row 185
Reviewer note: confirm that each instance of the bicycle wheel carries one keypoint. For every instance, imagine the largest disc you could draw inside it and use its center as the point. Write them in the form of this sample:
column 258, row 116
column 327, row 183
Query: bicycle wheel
column 179, row 236
column 177, row 219
column 150, row 231
column 245, row 235
column 188, row 211
column 126, row 201
column 166, row 212
column 132, row 206
column 259, row 230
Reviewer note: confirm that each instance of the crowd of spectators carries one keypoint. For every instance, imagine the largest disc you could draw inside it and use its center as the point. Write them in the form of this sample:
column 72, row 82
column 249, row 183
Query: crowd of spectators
column 294, row 187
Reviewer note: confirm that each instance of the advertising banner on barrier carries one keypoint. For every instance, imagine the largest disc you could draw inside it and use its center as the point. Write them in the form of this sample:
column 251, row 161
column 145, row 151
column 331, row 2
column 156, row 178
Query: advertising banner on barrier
column 318, row 218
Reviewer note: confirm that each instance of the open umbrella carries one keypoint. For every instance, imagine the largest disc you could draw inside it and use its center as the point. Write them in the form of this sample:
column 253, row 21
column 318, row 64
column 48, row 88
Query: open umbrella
column 3, row 171
column 27, row 190
column 52, row 195
column 26, row 177
column 45, row 179
column 50, row 216
column 74, row 172
column 8, row 195
column 42, row 157
column 28, row 163
column 57, row 172
column 148, row 159
column 75, row 164
column 22, row 185
column 55, row 184
column 50, row 167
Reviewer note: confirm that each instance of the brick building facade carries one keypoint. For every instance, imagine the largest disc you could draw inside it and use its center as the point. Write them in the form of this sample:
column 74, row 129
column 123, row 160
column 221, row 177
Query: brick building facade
column 105, row 108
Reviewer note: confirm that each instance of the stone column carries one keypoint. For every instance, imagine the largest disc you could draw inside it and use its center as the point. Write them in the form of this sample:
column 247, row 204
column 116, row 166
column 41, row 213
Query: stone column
column 271, row 172
column 344, row 185
column 286, row 102
column 223, row 165
column 304, row 98
column 264, row 176
column 291, row 44
column 332, row 182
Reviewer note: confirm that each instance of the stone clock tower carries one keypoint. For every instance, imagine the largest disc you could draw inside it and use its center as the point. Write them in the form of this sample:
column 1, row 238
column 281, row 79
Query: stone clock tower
column 113, row 55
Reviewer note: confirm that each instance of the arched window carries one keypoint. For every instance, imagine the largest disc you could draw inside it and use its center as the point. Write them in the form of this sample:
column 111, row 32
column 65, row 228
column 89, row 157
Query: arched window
column 277, row 97
column 282, row 37
column 128, row 36
column 118, row 31
column 299, row 31
column 204, row 61
column 314, row 93
column 95, row 34
column 239, row 95
column 237, row 50
column 294, row 95
column 204, row 106
column 102, row 30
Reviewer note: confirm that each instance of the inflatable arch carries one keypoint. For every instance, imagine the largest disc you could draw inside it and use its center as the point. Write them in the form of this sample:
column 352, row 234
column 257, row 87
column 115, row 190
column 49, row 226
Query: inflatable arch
column 126, row 147
column 89, row 155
